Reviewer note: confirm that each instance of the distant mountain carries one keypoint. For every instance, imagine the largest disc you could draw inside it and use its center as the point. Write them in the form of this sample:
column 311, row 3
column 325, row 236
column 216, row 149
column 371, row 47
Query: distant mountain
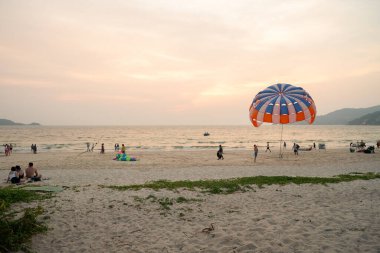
column 344, row 116
column 7, row 122
column 368, row 119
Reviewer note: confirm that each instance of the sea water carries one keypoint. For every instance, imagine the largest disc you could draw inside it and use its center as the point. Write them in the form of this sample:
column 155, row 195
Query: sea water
column 74, row 138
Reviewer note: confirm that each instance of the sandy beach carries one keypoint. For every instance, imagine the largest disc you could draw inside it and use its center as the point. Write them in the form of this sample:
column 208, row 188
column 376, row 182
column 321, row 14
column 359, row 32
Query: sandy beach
column 85, row 217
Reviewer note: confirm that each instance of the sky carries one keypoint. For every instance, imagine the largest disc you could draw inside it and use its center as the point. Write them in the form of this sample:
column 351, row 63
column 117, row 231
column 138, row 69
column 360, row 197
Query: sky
column 198, row 62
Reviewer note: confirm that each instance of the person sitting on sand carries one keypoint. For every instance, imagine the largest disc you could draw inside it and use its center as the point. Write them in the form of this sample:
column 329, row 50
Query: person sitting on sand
column 13, row 176
column 219, row 154
column 31, row 172
column 21, row 174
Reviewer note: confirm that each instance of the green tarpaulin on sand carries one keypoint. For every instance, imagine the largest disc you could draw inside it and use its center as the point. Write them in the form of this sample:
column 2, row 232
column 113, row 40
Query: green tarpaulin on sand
column 46, row 188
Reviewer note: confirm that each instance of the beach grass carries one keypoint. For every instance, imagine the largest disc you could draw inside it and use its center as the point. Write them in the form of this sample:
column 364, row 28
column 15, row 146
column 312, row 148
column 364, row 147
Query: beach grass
column 15, row 233
column 165, row 202
column 11, row 195
column 226, row 186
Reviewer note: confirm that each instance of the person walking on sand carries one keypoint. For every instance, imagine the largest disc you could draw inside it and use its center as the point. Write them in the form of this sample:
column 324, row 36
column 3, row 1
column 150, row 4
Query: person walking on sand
column 102, row 149
column 284, row 145
column 219, row 154
column 88, row 147
column 255, row 152
column 268, row 148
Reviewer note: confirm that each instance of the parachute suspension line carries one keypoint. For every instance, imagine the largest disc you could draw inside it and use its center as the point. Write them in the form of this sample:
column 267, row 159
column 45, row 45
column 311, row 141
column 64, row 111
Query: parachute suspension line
column 282, row 128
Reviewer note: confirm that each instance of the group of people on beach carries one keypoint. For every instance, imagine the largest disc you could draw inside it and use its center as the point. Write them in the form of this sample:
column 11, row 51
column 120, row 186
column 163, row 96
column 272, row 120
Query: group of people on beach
column 92, row 147
column 17, row 175
column 8, row 148
column 103, row 150
column 295, row 148
column 361, row 146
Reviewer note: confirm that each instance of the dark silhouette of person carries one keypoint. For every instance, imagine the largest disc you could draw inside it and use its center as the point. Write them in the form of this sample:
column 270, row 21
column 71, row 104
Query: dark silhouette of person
column 255, row 152
column 268, row 148
column 219, row 154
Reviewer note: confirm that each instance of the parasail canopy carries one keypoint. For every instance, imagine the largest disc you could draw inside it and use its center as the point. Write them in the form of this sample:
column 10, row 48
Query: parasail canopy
column 282, row 104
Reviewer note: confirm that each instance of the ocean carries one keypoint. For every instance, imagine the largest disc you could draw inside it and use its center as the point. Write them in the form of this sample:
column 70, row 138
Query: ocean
column 74, row 138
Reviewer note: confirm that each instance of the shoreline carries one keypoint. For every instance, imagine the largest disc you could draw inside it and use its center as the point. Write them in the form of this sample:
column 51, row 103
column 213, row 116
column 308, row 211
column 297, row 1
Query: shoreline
column 87, row 167
column 274, row 148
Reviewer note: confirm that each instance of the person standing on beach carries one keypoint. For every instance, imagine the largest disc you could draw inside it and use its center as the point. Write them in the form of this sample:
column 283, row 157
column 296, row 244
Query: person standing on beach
column 314, row 145
column 296, row 147
column 284, row 145
column 268, row 148
column 255, row 151
column 6, row 149
column 102, row 149
column 88, row 147
column 219, row 154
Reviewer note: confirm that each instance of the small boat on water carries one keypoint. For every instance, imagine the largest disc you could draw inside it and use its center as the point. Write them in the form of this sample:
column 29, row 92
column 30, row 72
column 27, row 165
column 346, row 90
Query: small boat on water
column 206, row 134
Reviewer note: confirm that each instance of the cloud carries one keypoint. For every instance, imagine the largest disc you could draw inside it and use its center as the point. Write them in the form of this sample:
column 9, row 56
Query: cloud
column 102, row 98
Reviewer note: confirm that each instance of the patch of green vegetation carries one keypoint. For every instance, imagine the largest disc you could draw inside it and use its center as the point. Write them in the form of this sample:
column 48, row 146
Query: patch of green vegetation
column 138, row 199
column 165, row 203
column 13, row 231
column 75, row 188
column 152, row 198
column 182, row 200
column 227, row 186
column 185, row 200
column 10, row 195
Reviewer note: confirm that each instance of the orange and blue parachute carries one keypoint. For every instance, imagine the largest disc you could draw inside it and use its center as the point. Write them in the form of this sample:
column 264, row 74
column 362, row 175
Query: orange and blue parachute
column 282, row 104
